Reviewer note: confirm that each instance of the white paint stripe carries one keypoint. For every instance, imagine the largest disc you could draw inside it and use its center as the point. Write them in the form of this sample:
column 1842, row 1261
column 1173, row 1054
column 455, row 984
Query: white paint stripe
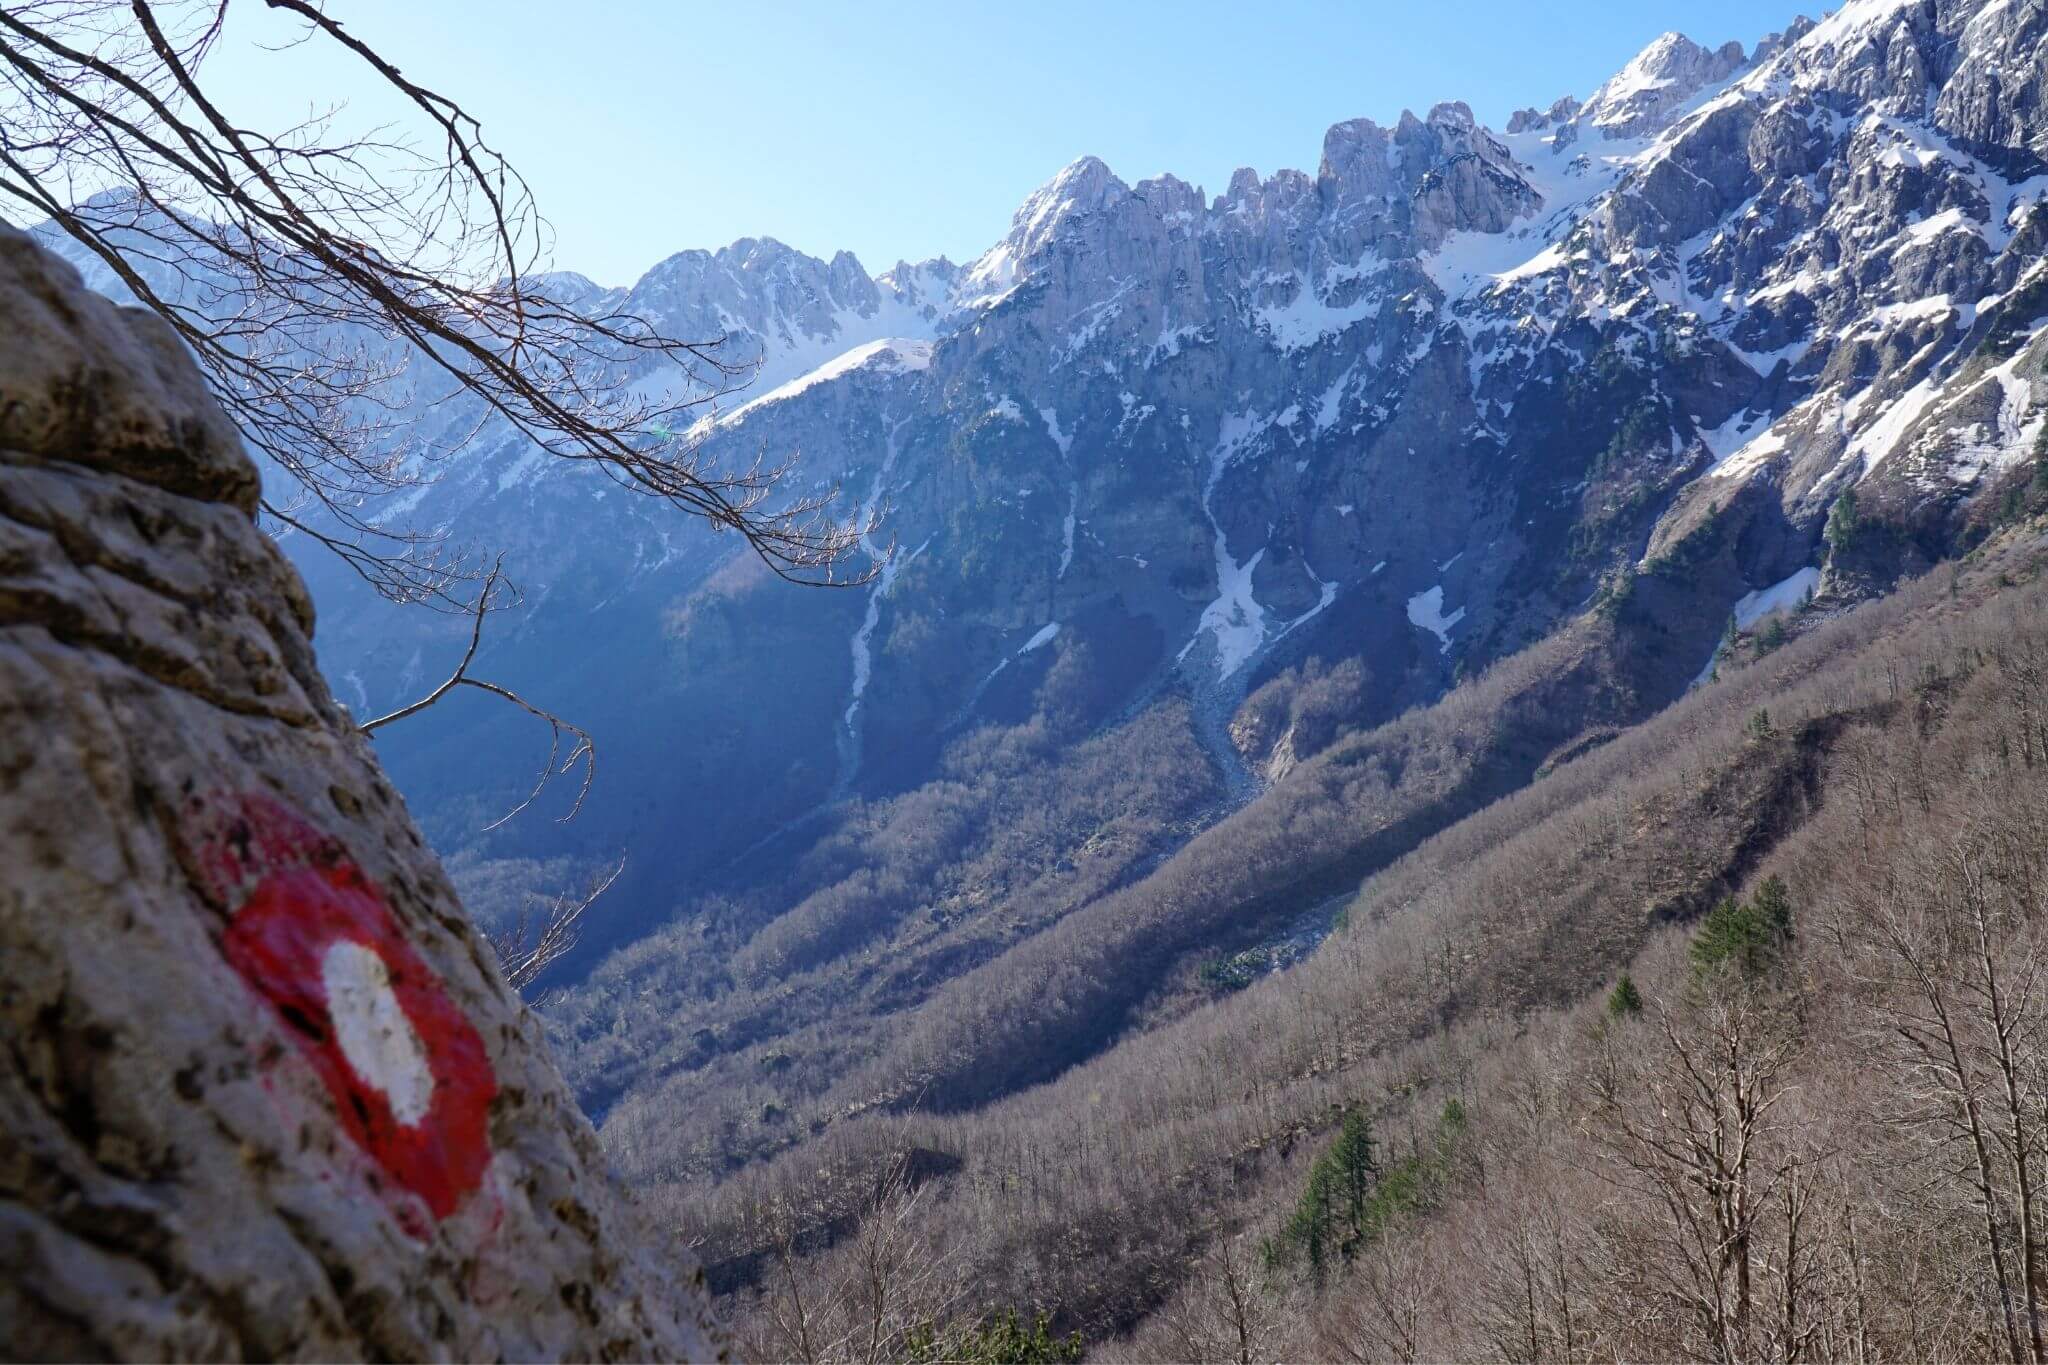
column 375, row 1035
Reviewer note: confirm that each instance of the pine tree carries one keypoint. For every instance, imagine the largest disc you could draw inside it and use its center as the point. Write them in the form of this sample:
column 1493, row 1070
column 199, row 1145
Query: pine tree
column 1002, row 1340
column 1312, row 1228
column 1773, row 909
column 1335, row 1213
column 1749, row 936
column 1624, row 1001
column 1840, row 532
column 1355, row 1168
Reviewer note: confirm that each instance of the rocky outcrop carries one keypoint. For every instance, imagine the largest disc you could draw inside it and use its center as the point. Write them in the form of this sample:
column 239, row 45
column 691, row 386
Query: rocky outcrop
column 263, row 1091
column 1641, row 97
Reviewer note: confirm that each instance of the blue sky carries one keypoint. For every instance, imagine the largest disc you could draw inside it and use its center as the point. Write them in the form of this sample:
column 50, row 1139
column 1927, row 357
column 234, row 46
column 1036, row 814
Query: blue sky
column 913, row 130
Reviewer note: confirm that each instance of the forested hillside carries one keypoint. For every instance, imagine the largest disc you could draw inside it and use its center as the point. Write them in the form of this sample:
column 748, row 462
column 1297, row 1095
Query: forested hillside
column 1720, row 1040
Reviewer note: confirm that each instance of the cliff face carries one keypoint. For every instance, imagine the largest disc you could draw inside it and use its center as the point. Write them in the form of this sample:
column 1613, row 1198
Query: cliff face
column 263, row 1091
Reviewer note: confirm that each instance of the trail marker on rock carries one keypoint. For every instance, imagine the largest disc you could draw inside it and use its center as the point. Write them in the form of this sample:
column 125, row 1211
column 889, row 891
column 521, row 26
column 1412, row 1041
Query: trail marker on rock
column 316, row 939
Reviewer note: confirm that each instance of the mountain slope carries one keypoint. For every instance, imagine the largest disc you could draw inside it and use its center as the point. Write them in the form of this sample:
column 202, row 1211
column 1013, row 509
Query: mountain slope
column 1197, row 511
column 1586, row 386
column 1411, row 410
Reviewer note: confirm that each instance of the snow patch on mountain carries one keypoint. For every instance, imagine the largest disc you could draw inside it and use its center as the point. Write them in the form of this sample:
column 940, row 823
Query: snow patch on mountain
column 1426, row 611
column 1067, row 526
column 1306, row 319
column 1235, row 620
column 890, row 355
column 1063, row 439
column 1784, row 595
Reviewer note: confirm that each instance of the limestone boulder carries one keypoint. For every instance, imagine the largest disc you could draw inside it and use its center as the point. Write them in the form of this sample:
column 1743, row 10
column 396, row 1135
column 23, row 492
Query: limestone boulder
column 263, row 1090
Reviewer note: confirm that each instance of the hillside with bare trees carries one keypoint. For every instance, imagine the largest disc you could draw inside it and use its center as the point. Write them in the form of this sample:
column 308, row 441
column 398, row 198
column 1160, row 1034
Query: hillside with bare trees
column 1719, row 1040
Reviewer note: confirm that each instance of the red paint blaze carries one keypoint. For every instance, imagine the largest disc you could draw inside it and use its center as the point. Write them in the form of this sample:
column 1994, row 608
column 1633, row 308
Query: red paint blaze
column 307, row 895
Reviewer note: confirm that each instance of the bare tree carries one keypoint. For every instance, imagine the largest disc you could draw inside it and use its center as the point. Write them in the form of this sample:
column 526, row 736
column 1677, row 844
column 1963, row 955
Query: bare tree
column 533, row 940
column 885, row 1285
column 1951, row 941
column 362, row 305
column 1393, row 1298
column 312, row 271
column 582, row 749
column 1230, row 1307
column 1685, row 1118
column 1530, row 1290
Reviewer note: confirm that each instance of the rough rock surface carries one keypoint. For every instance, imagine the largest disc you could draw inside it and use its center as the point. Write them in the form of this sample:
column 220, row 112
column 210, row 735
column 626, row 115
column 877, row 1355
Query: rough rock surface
column 263, row 1092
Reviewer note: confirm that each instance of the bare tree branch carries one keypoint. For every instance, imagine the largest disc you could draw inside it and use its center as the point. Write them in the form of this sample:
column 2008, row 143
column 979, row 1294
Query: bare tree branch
column 583, row 750
column 362, row 304
column 525, row 950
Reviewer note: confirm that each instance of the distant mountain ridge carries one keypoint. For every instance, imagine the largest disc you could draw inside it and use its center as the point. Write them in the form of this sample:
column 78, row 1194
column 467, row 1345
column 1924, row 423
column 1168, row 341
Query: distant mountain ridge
column 1416, row 408
column 1453, row 394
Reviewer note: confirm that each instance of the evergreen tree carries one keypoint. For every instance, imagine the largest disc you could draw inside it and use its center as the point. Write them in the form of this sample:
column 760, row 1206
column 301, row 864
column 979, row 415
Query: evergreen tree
column 1451, row 1125
column 1843, row 523
column 1624, row 1000
column 1002, row 1340
column 1772, row 906
column 1335, row 1213
column 1312, row 1226
column 1353, row 1194
column 1354, row 1168
column 1748, row 936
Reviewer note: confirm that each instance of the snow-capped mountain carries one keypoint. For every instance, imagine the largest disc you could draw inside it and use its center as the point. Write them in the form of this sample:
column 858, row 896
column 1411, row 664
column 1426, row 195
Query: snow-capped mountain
column 1418, row 408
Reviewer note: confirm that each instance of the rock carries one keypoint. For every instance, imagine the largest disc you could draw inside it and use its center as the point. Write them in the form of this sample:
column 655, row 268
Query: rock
column 264, row 1091
column 1997, row 98
column 1661, row 79
column 118, row 385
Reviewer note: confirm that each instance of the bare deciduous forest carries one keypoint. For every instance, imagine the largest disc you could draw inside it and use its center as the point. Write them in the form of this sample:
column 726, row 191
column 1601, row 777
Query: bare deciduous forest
column 1721, row 1040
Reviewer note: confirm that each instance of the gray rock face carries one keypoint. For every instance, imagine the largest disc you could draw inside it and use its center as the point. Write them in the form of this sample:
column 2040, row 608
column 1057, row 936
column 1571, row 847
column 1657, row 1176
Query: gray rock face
column 263, row 1091
column 1996, row 98
column 1641, row 97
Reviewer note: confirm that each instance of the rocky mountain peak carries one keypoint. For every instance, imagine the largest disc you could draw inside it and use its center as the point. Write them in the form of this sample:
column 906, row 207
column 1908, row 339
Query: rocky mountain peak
column 1356, row 162
column 1452, row 114
column 756, row 253
column 1663, row 77
column 568, row 286
column 1080, row 191
column 1244, row 184
column 1084, row 186
column 1172, row 198
column 1562, row 110
column 1773, row 43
